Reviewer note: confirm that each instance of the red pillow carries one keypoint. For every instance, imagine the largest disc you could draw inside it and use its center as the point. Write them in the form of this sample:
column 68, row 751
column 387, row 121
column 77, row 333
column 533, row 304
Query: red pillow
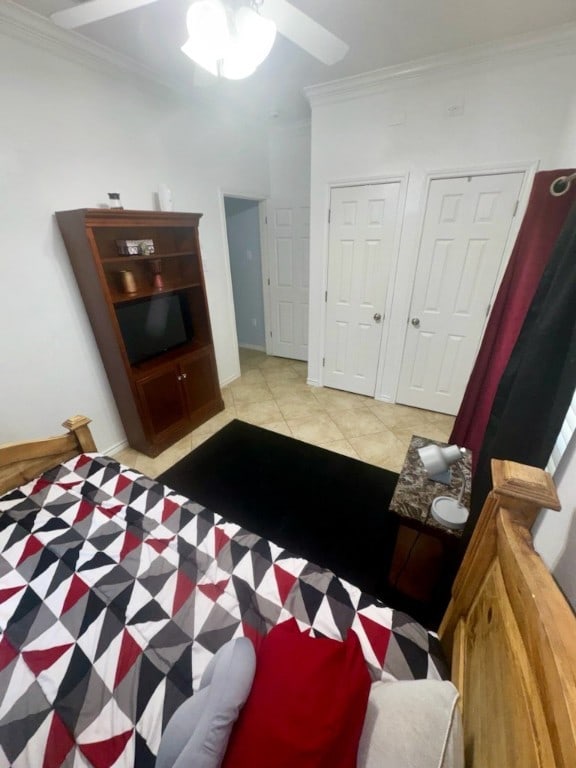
column 307, row 703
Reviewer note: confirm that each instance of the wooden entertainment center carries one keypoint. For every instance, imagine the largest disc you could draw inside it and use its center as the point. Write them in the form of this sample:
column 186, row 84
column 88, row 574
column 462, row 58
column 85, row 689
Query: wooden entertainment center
column 162, row 370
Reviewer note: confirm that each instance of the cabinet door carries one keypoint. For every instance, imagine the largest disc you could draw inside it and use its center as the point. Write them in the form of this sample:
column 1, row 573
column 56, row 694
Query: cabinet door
column 163, row 402
column 200, row 380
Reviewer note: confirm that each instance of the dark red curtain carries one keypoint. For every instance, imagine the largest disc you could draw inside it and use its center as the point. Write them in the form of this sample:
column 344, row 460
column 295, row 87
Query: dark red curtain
column 541, row 226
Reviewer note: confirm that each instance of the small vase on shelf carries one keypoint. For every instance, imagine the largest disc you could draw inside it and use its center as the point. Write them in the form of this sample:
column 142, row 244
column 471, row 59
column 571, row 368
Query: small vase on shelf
column 156, row 267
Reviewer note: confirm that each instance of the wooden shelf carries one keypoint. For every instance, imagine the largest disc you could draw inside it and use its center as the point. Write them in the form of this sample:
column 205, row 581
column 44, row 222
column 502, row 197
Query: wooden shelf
column 121, row 259
column 123, row 298
column 188, row 350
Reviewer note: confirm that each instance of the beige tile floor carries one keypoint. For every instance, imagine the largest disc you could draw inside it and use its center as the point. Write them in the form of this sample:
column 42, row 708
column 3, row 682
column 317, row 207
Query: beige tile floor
column 272, row 393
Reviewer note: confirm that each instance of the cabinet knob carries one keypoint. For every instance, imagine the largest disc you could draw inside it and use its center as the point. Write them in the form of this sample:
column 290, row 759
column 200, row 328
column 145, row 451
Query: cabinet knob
column 184, row 375
column 179, row 377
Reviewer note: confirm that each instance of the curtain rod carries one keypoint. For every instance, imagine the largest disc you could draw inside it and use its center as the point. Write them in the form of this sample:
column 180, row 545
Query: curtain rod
column 561, row 185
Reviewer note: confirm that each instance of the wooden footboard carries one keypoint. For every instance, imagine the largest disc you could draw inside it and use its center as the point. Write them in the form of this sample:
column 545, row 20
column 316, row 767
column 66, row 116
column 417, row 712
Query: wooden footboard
column 511, row 635
column 20, row 462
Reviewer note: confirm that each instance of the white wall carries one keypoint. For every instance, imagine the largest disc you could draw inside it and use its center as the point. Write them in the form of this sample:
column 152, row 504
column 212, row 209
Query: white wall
column 513, row 111
column 68, row 135
column 289, row 160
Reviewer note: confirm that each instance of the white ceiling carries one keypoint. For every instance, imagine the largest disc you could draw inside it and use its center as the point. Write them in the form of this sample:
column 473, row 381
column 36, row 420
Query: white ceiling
column 380, row 33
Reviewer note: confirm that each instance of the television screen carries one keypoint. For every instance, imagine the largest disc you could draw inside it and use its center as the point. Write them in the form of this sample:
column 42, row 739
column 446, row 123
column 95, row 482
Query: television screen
column 153, row 325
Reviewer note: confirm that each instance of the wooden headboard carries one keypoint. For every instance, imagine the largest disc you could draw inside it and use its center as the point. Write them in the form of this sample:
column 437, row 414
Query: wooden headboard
column 511, row 635
column 20, row 462
column 508, row 631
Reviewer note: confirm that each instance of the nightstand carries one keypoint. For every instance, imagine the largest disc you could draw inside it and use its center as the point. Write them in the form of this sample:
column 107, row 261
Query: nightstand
column 426, row 553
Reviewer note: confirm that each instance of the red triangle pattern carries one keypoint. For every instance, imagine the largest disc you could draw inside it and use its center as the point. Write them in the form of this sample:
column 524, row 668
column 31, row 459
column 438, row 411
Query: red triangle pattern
column 252, row 634
column 213, row 591
column 77, row 590
column 169, row 508
column 85, row 509
column 32, row 546
column 82, row 459
column 220, row 539
column 184, row 588
column 121, row 483
column 103, row 754
column 129, row 652
column 159, row 544
column 39, row 485
column 58, row 744
column 111, row 511
column 131, row 542
column 284, row 581
column 6, row 594
column 38, row 661
column 68, row 486
column 377, row 635
column 7, row 653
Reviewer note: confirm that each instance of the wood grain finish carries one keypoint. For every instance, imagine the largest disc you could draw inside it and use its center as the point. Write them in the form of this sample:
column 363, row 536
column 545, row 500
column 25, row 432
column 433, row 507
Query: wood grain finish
column 155, row 412
column 21, row 462
column 511, row 634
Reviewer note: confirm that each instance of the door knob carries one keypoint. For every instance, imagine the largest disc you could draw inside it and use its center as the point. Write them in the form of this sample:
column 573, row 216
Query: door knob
column 415, row 322
column 377, row 317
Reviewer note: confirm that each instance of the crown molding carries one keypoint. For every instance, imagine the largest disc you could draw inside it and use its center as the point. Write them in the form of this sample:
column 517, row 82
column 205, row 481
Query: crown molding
column 30, row 27
column 553, row 43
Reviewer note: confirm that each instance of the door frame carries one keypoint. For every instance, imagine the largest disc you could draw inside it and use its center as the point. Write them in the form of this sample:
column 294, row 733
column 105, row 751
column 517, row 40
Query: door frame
column 403, row 180
column 262, row 200
column 529, row 169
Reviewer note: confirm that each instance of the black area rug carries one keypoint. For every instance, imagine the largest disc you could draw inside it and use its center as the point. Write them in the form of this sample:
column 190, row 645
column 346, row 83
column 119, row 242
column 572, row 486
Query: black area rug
column 327, row 508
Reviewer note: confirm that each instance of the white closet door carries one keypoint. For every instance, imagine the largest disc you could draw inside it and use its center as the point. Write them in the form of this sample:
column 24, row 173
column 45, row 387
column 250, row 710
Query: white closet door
column 362, row 228
column 465, row 231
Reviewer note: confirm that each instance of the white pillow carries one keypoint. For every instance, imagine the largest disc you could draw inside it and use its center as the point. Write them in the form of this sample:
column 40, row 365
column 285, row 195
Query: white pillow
column 412, row 724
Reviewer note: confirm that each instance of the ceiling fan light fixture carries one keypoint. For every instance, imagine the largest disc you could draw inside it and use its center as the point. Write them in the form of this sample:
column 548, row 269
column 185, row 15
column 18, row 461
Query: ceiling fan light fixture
column 231, row 45
column 250, row 44
column 208, row 29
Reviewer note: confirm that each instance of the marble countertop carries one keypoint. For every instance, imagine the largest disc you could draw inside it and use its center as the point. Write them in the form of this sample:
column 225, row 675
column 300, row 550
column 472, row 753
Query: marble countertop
column 415, row 491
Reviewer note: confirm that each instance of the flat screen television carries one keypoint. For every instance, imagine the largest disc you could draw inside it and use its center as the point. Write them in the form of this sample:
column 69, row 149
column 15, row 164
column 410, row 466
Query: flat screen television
column 154, row 325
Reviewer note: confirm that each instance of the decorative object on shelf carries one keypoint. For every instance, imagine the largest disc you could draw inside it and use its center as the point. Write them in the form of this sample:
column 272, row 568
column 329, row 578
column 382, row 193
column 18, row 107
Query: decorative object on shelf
column 165, row 198
column 114, row 198
column 446, row 510
column 156, row 267
column 127, row 281
column 135, row 247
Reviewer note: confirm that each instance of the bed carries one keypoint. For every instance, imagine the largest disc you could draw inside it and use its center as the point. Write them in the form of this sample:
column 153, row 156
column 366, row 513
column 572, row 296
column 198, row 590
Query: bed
column 115, row 593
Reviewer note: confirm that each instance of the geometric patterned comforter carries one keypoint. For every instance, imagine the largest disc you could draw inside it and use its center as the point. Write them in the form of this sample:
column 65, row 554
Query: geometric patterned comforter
column 115, row 592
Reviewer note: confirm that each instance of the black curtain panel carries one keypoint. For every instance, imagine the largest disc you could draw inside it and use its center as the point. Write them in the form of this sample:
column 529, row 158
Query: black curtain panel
column 538, row 383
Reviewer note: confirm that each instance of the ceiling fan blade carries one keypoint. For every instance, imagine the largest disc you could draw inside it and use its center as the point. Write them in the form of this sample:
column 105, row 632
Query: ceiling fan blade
column 94, row 10
column 305, row 32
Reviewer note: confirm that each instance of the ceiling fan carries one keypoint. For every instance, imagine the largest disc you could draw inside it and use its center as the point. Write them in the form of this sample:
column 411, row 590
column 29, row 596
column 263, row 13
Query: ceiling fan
column 290, row 22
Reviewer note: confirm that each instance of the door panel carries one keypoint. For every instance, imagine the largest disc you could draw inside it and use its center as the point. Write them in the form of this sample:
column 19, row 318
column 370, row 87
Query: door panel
column 362, row 229
column 163, row 403
column 289, row 226
column 465, row 230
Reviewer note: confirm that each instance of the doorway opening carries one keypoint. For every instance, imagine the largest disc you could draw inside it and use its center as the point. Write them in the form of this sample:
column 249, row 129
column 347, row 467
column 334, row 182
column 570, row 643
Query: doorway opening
column 243, row 231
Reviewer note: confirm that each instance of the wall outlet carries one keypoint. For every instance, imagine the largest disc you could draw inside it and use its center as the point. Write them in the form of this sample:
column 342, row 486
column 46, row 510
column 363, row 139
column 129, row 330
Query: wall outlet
column 249, row 255
column 254, row 322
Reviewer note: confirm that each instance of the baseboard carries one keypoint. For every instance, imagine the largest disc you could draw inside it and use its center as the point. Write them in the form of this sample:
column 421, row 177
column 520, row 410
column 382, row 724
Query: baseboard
column 116, row 448
column 230, row 379
column 313, row 383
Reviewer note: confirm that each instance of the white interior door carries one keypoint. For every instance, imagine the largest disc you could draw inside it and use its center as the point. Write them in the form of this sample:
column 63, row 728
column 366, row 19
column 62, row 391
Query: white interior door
column 289, row 230
column 362, row 227
column 465, row 230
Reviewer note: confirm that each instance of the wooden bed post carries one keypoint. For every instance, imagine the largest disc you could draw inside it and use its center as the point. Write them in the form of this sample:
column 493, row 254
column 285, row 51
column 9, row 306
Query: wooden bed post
column 78, row 425
column 524, row 491
column 511, row 634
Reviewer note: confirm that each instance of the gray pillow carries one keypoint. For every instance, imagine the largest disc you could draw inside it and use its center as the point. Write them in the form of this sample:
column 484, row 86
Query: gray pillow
column 413, row 724
column 198, row 732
